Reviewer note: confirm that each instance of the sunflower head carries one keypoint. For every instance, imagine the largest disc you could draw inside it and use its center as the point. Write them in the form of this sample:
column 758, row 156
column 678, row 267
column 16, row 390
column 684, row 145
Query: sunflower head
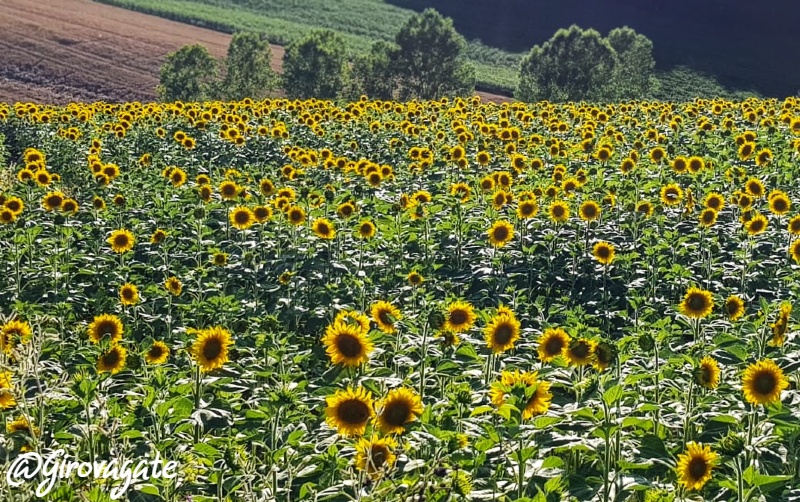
column 323, row 228
column 559, row 212
column 242, row 217
column 211, row 347
column 460, row 317
column 296, row 215
column 580, row 351
column 531, row 395
column 349, row 411
column 173, row 285
column 158, row 353
column 121, row 241
column 502, row 332
column 694, row 466
column 113, row 361
column 605, row 354
column 347, row 343
column 366, row 229
column 400, row 407
column 706, row 374
column 105, row 325
column 697, row 303
column 128, row 294
column 552, row 343
column 415, row 278
column 501, row 233
column 734, row 307
column 763, row 382
column 604, row 252
column 589, row 211
column 385, row 315
column 375, row 455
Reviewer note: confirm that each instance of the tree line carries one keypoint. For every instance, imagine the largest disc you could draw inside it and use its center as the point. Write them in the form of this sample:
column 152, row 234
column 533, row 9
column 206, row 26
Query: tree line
column 426, row 60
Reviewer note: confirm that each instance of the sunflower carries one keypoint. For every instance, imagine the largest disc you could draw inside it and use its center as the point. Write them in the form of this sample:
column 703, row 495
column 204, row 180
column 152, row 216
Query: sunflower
column 657, row 154
column 399, row 407
column 605, row 354
column 754, row 187
column 589, row 211
column 121, row 241
column 526, row 386
column 502, row 332
column 763, row 157
column 285, row 277
column 113, row 360
column 7, row 399
column 780, row 326
column 604, row 252
column 177, row 177
column 714, row 201
column 15, row 205
column 262, row 213
column 671, row 194
column 794, row 250
column 680, row 164
column 734, row 307
column 173, row 285
column 645, row 208
column 157, row 353
column 12, row 332
column 105, row 325
column 229, row 190
column 527, row 209
column 349, row 411
column 696, row 164
column 763, row 382
column 347, row 344
column 366, row 229
column 501, row 233
column 346, row 209
column 128, row 294
column 794, row 225
column 708, row 217
column 323, row 228
column 746, row 150
column 559, row 211
column 210, row 348
column 706, row 374
column 694, row 466
column 242, row 217
column 756, row 225
column 219, row 259
column 461, row 191
column 580, row 352
column 266, row 187
column 552, row 343
column 375, row 454
column 415, row 278
column 385, row 315
column 98, row 203
column 697, row 303
column 779, row 203
column 7, row 216
column 460, row 317
column 483, row 158
column 43, row 178
column 158, row 236
column 53, row 200
column 22, row 424
column 296, row 215
column 352, row 317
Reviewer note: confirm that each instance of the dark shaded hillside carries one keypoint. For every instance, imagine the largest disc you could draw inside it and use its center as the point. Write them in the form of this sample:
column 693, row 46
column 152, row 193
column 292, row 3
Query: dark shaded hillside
column 744, row 44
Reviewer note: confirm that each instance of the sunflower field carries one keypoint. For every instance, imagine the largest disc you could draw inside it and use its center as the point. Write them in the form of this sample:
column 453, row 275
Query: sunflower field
column 384, row 301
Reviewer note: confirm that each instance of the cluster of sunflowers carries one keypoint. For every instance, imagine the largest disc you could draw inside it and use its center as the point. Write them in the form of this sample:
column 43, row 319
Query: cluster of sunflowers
column 384, row 300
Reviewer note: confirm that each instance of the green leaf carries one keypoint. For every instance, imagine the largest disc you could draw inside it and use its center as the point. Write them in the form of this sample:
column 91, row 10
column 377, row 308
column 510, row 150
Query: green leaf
column 612, row 395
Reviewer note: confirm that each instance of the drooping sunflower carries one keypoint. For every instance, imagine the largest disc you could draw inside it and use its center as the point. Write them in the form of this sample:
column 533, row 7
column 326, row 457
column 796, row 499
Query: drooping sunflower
column 605, row 353
column 105, row 325
column 781, row 326
column 559, row 211
column 375, row 454
column 121, row 241
column 604, row 252
column 794, row 250
column 460, row 317
column 157, row 353
column 671, row 194
column 210, row 348
column 501, row 233
column 173, row 285
column 347, row 344
column 502, row 332
column 461, row 191
column 580, row 351
column 706, row 374
column 128, row 294
column 113, row 360
column 400, row 407
column 763, row 382
column 734, row 307
column 366, row 229
column 385, row 315
column 7, row 399
column 12, row 332
column 697, row 303
column 323, row 228
column 519, row 384
column 589, row 211
column 708, row 217
column 552, row 343
column 242, row 217
column 757, row 224
column 694, row 466
column 349, row 411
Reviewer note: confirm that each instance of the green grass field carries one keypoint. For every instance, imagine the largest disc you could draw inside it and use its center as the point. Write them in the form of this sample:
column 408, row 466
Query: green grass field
column 360, row 22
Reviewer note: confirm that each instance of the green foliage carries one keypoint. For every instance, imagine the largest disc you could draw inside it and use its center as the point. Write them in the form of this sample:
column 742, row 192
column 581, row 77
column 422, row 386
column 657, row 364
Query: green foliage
column 429, row 61
column 574, row 65
column 633, row 73
column 249, row 71
column 372, row 74
column 684, row 84
column 315, row 66
column 188, row 74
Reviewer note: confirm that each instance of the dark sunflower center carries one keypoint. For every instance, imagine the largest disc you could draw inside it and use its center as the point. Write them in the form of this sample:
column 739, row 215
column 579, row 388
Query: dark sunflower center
column 708, row 216
column 353, row 411
column 705, row 374
column 323, row 229
column 397, row 413
column 696, row 302
column 127, row 293
column 156, row 352
column 295, row 216
column 458, row 317
column 500, row 233
column 212, row 349
column 554, row 346
column 385, row 317
column 378, row 456
column 527, row 209
column 348, row 345
column 242, row 217
column 111, row 359
column 590, row 211
column 558, row 211
column 580, row 350
column 764, row 383
column 503, row 334
column 779, row 204
column 229, row 190
column 121, row 240
column 697, row 468
column 603, row 252
column 54, row 200
column 107, row 328
column 347, row 211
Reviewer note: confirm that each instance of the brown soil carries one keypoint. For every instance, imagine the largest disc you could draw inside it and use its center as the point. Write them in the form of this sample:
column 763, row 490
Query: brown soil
column 57, row 51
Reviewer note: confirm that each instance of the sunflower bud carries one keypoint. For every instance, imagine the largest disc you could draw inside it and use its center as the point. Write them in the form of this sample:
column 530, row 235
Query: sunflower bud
column 646, row 343
column 731, row 445
column 435, row 319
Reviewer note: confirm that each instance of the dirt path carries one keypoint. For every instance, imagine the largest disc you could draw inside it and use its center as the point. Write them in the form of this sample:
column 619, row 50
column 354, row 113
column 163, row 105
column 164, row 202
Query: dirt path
column 57, row 51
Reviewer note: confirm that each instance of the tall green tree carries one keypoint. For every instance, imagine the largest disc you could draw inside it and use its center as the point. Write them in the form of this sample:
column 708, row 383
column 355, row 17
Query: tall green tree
column 633, row 74
column 315, row 66
column 430, row 59
column 573, row 65
column 188, row 74
column 373, row 73
column 248, row 67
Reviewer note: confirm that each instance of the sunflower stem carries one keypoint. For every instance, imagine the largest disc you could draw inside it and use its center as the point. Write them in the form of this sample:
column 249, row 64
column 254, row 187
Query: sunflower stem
column 198, row 393
column 521, row 487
